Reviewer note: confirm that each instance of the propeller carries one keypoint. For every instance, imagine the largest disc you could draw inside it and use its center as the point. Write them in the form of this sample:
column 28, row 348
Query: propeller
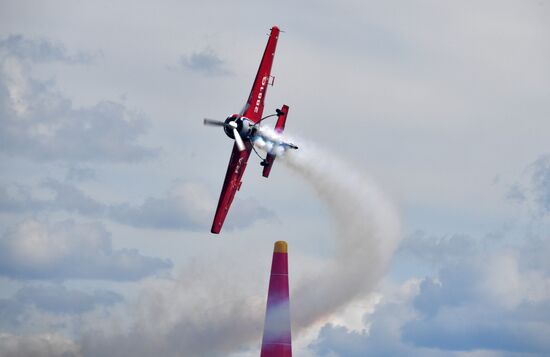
column 213, row 122
column 233, row 126
column 238, row 139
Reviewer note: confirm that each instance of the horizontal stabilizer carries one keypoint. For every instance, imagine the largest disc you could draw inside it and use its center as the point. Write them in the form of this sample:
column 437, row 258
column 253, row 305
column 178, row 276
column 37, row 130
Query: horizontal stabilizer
column 279, row 128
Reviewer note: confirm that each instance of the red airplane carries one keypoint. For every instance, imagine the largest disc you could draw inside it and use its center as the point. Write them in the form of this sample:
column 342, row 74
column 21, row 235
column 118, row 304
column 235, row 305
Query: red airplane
column 245, row 129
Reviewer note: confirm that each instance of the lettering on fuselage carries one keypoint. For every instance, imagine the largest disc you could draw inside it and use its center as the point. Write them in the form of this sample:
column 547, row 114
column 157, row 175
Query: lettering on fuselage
column 260, row 94
column 239, row 163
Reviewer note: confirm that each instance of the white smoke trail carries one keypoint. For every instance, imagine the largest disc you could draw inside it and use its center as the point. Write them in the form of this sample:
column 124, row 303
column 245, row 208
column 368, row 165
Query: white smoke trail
column 367, row 228
column 203, row 313
column 367, row 233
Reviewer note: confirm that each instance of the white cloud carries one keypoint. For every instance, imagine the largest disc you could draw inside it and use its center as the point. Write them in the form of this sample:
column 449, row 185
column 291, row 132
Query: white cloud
column 43, row 345
column 185, row 206
column 58, row 299
column 41, row 50
column 40, row 123
column 35, row 308
column 541, row 182
column 65, row 250
column 205, row 62
column 487, row 302
column 203, row 312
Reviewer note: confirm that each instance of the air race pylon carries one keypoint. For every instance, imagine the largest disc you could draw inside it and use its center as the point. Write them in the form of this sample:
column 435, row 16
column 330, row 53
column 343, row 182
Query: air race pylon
column 276, row 341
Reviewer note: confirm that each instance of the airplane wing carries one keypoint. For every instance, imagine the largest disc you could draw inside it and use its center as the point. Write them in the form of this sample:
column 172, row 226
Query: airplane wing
column 253, row 110
column 254, row 106
column 231, row 184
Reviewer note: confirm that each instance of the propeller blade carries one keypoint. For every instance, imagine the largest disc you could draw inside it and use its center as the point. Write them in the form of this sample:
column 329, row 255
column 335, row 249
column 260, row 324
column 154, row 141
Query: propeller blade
column 213, row 122
column 238, row 140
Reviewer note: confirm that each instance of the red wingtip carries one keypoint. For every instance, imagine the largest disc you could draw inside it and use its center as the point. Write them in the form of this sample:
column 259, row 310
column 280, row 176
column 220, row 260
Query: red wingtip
column 216, row 226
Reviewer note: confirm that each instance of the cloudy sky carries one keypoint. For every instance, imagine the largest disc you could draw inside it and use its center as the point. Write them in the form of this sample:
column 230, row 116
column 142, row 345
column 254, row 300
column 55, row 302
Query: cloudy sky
column 417, row 213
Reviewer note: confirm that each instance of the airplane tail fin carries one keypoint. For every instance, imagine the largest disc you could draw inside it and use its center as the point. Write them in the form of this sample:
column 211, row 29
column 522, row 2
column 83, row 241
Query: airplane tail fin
column 276, row 340
column 279, row 128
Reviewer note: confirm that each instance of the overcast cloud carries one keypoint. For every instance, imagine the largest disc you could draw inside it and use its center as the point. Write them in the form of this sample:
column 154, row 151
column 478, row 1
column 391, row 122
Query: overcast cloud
column 185, row 206
column 40, row 50
column 489, row 297
column 58, row 299
column 109, row 181
column 205, row 62
column 69, row 250
column 541, row 183
column 43, row 345
column 54, row 299
column 40, row 123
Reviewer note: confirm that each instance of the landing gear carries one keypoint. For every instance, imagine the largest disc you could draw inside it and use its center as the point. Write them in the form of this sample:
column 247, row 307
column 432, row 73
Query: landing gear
column 264, row 163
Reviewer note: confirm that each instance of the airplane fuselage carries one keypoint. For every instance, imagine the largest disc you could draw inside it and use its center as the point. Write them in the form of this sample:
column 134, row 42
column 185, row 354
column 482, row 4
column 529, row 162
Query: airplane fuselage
column 244, row 126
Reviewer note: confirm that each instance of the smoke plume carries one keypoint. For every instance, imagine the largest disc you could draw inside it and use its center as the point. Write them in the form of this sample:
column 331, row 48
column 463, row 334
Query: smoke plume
column 208, row 311
column 367, row 233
